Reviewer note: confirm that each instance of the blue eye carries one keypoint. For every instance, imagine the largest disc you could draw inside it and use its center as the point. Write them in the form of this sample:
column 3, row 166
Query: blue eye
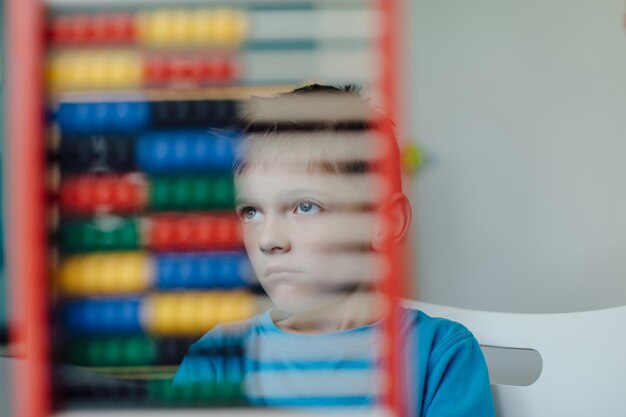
column 308, row 207
column 247, row 214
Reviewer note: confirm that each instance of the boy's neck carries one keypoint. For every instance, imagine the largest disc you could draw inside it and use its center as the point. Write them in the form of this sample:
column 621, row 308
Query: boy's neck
column 355, row 310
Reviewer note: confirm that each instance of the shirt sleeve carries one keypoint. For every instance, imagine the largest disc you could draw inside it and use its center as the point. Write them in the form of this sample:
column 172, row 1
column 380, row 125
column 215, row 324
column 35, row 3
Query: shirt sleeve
column 458, row 381
column 196, row 367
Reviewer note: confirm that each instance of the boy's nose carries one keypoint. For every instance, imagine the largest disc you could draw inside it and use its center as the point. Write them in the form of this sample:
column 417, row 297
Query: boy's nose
column 274, row 238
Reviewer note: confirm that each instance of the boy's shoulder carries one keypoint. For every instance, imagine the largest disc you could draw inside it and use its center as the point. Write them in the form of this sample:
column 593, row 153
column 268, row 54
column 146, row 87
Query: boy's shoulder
column 438, row 327
column 228, row 334
column 435, row 335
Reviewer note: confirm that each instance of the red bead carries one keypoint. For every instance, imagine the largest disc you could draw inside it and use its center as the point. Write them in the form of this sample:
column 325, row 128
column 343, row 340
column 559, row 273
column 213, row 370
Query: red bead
column 93, row 28
column 58, row 29
column 195, row 232
column 82, row 29
column 99, row 26
column 120, row 27
column 207, row 70
column 87, row 195
column 190, row 69
column 155, row 70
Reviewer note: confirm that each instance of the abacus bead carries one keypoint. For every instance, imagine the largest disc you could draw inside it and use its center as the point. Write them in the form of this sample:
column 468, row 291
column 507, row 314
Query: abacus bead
column 186, row 151
column 103, row 193
column 103, row 316
column 105, row 273
column 219, row 270
column 96, row 153
column 103, row 117
column 224, row 192
column 191, row 192
column 93, row 235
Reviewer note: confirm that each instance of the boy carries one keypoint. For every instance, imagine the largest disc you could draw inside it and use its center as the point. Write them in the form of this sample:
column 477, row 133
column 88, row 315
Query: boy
column 309, row 197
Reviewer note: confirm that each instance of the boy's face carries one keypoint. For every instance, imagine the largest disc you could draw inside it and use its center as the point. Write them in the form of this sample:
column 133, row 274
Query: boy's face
column 308, row 235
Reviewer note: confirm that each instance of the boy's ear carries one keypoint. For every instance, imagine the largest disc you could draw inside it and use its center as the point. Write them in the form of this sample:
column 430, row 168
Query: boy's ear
column 397, row 210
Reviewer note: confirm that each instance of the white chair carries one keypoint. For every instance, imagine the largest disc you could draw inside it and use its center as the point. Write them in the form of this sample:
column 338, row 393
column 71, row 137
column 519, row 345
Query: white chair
column 583, row 354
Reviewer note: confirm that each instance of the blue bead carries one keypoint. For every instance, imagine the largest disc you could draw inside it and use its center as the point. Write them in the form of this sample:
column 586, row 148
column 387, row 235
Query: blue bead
column 186, row 151
column 73, row 117
column 206, row 272
column 103, row 117
column 230, row 274
column 103, row 316
column 131, row 116
column 212, row 270
column 165, row 272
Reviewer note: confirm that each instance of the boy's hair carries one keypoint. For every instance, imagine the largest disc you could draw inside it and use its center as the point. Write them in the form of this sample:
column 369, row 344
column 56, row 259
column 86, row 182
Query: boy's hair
column 329, row 129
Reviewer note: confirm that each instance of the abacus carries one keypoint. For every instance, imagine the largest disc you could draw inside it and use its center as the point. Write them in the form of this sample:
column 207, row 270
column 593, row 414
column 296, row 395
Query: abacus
column 120, row 211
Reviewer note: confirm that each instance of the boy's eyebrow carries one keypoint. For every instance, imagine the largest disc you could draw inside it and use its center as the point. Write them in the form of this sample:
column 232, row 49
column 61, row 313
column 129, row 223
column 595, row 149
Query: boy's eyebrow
column 243, row 202
column 287, row 195
column 298, row 191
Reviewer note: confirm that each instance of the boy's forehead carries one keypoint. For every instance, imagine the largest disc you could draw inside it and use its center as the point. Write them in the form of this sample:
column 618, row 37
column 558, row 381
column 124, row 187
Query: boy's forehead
column 279, row 164
column 272, row 183
column 306, row 148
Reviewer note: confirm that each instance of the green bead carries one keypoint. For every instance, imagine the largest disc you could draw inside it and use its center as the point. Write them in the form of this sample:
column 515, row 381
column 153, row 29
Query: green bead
column 114, row 352
column 104, row 233
column 200, row 190
column 96, row 353
column 224, row 192
column 164, row 392
column 159, row 193
column 192, row 192
column 181, row 193
column 141, row 351
column 117, row 351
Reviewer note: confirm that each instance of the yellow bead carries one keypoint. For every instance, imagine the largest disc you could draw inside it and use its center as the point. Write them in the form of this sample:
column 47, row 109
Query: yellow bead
column 105, row 274
column 181, row 30
column 124, row 69
column 207, row 310
column 154, row 27
column 95, row 69
column 226, row 27
column 192, row 314
column 159, row 314
column 67, row 75
column 79, row 72
column 55, row 70
column 202, row 28
column 187, row 314
column 99, row 71
column 412, row 158
column 181, row 313
column 236, row 306
column 246, row 307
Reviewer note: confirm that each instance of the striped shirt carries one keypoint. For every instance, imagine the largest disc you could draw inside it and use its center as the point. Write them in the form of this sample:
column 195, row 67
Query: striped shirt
column 444, row 372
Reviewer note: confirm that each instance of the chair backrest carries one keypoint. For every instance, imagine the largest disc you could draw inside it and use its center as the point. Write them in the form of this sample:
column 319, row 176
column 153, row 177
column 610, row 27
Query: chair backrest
column 583, row 359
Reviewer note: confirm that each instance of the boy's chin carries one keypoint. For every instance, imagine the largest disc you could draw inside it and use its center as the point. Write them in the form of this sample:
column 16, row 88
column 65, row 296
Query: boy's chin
column 300, row 304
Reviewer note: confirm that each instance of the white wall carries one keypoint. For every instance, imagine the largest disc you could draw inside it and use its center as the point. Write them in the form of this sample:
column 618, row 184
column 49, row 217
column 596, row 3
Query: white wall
column 521, row 109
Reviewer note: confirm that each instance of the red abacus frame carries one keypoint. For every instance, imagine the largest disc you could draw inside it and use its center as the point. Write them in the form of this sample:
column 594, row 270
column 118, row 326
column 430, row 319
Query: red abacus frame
column 27, row 247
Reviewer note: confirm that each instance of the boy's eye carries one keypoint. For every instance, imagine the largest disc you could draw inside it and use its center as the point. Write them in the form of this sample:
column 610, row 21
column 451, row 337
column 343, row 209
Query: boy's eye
column 248, row 214
column 308, row 207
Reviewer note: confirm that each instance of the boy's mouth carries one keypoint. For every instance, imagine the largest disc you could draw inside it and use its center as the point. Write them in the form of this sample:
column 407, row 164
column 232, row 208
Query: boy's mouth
column 279, row 270
column 276, row 276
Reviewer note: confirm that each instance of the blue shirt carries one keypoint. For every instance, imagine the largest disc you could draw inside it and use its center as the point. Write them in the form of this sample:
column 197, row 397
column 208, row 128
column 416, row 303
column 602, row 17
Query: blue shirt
column 444, row 373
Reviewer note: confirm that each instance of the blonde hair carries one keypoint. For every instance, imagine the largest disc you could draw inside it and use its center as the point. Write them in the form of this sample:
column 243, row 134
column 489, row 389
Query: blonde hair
column 315, row 128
